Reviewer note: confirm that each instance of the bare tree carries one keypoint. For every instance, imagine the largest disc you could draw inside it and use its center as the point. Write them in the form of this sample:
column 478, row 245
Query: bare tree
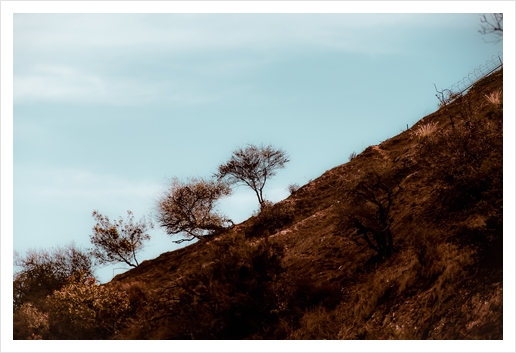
column 118, row 241
column 379, row 195
column 372, row 199
column 253, row 166
column 190, row 208
column 492, row 24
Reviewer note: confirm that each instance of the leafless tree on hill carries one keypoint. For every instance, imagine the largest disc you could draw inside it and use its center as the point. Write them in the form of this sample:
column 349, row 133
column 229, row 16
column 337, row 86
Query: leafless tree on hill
column 492, row 24
column 253, row 166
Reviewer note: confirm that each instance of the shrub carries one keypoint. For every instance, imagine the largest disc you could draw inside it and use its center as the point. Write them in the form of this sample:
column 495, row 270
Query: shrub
column 373, row 197
column 270, row 219
column 440, row 263
column 40, row 272
column 190, row 208
column 232, row 297
column 84, row 310
column 473, row 171
column 292, row 188
column 29, row 323
column 352, row 156
column 453, row 262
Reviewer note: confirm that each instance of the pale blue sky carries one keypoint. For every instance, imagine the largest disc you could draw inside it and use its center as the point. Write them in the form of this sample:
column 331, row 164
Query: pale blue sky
column 108, row 106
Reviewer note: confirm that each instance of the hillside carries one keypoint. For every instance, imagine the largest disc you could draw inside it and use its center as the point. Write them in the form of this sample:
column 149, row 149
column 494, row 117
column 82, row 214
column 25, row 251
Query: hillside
column 320, row 265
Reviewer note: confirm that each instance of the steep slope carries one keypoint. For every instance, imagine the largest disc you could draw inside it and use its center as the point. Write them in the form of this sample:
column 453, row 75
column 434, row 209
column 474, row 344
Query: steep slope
column 319, row 265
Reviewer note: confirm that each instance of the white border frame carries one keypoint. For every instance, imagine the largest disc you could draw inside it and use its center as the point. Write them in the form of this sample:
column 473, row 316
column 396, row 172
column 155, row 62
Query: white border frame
column 8, row 8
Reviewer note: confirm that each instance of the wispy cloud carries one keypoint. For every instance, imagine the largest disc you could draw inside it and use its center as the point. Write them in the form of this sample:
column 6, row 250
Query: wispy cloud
column 181, row 33
column 72, row 188
column 63, row 83
column 110, row 58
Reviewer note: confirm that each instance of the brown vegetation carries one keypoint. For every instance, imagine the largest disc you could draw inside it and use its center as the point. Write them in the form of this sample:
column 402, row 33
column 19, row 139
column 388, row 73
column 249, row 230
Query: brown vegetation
column 402, row 242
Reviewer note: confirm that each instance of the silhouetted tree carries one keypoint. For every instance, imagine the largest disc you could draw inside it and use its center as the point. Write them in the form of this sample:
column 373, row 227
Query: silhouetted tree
column 492, row 24
column 379, row 195
column 372, row 198
column 190, row 208
column 118, row 241
column 253, row 166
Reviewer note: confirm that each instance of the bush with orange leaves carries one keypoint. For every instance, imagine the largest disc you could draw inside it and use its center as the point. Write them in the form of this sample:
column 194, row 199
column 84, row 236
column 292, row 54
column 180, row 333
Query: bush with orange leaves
column 85, row 310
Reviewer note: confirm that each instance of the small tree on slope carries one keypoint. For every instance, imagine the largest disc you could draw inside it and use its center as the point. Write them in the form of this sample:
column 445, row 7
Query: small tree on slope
column 118, row 241
column 190, row 208
column 253, row 166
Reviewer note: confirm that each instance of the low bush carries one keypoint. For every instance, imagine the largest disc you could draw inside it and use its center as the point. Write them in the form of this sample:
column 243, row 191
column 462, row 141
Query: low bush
column 85, row 310
column 372, row 197
column 40, row 272
column 29, row 323
column 473, row 169
column 232, row 297
column 270, row 219
column 292, row 188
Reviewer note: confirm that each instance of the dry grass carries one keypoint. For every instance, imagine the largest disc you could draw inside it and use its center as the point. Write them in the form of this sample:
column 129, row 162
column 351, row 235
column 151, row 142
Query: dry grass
column 453, row 261
column 424, row 130
column 417, row 293
column 317, row 324
column 494, row 97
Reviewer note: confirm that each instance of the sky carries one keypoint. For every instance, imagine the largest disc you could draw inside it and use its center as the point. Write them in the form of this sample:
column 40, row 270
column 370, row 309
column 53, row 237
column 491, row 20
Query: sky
column 108, row 106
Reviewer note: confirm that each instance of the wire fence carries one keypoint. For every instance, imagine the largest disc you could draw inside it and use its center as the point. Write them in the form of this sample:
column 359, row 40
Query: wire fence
column 448, row 95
